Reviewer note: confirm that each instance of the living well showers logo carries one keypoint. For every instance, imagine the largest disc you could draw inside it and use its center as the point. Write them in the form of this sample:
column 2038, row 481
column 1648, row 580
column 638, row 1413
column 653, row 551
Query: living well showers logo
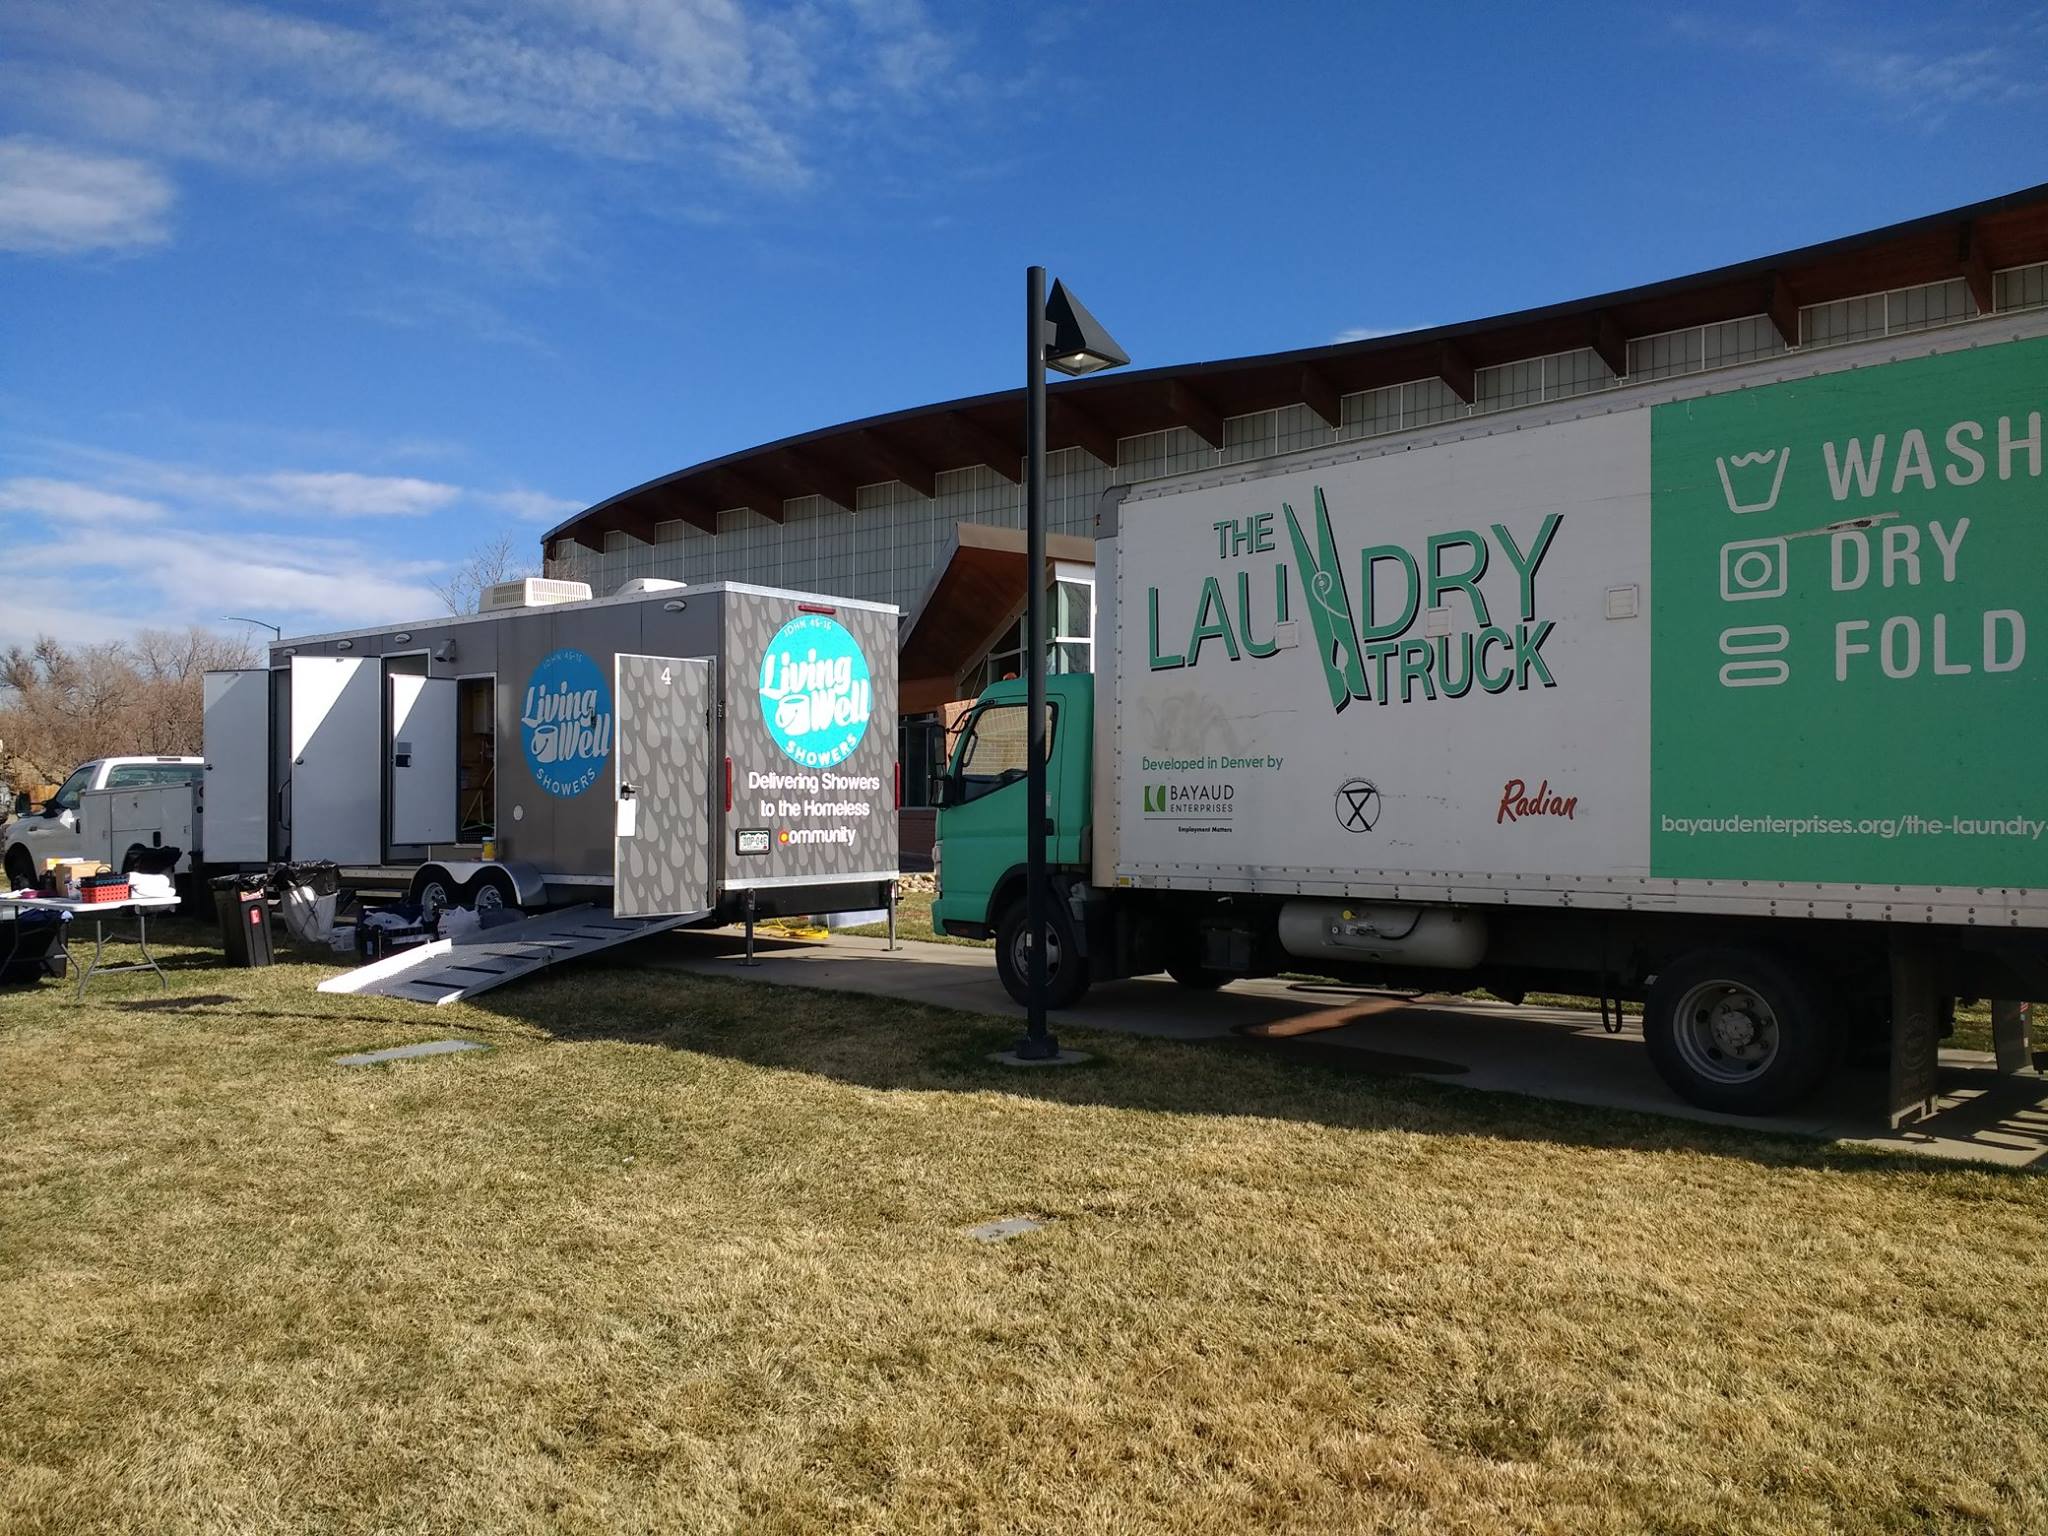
column 816, row 691
column 565, row 725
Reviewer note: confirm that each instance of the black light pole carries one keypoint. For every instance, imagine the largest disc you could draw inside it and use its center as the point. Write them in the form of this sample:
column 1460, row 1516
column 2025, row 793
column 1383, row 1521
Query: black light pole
column 1061, row 333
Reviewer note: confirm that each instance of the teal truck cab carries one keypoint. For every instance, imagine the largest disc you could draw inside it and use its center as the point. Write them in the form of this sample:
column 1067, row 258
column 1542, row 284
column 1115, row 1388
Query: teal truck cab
column 979, row 854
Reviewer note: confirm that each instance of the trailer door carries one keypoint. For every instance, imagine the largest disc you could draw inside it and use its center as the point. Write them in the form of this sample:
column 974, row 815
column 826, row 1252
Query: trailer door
column 661, row 786
column 423, row 759
column 337, row 730
column 235, row 828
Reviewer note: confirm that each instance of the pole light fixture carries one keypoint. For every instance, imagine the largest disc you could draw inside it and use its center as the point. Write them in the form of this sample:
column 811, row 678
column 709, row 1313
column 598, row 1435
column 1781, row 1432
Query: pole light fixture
column 1059, row 333
column 235, row 618
column 1076, row 343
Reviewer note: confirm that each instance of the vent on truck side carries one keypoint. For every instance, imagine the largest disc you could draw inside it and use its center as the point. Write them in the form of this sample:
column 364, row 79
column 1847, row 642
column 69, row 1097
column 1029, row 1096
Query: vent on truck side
column 533, row 592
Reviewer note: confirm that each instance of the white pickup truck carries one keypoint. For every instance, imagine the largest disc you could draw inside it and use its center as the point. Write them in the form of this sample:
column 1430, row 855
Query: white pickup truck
column 115, row 809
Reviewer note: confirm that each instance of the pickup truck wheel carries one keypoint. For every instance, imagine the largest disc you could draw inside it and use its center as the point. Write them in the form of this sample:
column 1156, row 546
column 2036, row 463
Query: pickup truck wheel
column 1738, row 1031
column 1066, row 973
column 1200, row 977
column 21, row 870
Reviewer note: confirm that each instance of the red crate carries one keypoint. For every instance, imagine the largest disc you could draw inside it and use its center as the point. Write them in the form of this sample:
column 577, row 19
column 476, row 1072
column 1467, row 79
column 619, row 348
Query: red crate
column 103, row 889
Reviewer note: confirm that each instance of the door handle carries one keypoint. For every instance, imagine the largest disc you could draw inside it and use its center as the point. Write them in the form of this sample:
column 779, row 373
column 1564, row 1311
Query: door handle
column 627, row 791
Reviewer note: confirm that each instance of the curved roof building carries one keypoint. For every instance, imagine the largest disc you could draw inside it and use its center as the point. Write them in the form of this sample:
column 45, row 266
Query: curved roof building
column 924, row 507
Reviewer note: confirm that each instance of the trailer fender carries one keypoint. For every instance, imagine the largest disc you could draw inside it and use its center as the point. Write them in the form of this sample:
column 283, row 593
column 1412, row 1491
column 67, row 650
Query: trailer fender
column 529, row 886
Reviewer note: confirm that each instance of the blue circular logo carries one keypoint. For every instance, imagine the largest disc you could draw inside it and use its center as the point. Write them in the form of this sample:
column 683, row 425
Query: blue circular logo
column 816, row 693
column 566, row 724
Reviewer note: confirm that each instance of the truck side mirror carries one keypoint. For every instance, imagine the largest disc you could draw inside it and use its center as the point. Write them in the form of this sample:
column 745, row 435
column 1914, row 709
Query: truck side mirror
column 21, row 803
column 941, row 791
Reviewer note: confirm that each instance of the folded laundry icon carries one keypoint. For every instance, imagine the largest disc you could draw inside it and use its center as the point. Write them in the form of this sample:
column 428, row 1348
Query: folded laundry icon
column 1751, row 481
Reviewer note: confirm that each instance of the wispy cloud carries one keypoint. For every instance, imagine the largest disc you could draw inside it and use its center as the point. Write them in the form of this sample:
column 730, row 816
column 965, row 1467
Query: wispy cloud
column 159, row 542
column 438, row 100
column 1370, row 332
column 1922, row 77
column 61, row 201
column 530, row 506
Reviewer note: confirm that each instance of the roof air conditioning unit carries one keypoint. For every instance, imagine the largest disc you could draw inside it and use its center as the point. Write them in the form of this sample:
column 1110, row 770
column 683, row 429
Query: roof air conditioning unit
column 639, row 586
column 533, row 592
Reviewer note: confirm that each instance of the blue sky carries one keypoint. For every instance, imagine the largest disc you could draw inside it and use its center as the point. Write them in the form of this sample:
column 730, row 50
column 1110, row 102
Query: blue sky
column 299, row 303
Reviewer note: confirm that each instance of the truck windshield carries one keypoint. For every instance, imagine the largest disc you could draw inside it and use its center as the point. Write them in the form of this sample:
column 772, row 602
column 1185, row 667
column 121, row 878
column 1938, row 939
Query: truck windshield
column 992, row 752
column 66, row 798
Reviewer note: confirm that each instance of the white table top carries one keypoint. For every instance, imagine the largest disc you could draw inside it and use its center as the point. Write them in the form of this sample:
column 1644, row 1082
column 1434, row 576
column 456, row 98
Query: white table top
column 71, row 904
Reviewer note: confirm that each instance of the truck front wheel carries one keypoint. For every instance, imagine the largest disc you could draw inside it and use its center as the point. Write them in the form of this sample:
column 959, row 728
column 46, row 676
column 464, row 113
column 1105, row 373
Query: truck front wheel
column 1066, row 972
column 1738, row 1031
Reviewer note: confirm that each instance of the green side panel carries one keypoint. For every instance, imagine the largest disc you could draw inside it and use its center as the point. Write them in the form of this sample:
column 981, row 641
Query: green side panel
column 1854, row 703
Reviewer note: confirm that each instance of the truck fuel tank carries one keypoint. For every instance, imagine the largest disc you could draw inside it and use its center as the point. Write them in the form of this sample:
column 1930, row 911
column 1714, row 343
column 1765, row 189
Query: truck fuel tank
column 1438, row 937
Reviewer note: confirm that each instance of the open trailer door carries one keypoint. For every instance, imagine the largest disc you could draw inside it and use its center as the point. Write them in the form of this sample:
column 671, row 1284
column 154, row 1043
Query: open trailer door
column 236, row 725
column 337, row 731
column 661, row 787
column 423, row 759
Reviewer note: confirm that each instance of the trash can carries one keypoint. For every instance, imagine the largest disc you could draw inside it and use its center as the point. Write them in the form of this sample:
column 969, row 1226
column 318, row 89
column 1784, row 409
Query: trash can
column 244, row 919
column 307, row 892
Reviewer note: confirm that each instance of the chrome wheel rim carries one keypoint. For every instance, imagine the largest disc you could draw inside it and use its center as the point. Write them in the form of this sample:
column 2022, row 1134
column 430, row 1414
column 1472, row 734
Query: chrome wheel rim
column 1020, row 953
column 489, row 898
column 1726, row 1032
column 433, row 899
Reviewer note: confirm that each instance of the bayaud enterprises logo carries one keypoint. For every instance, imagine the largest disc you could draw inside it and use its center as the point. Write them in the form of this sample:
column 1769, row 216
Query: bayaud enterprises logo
column 1185, row 800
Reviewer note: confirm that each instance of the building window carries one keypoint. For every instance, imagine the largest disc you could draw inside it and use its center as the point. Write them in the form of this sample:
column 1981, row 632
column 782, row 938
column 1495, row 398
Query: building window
column 2020, row 287
column 1886, row 314
column 1070, row 634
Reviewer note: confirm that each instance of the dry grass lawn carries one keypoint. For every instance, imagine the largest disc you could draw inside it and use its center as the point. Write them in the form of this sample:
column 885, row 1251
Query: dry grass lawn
column 684, row 1255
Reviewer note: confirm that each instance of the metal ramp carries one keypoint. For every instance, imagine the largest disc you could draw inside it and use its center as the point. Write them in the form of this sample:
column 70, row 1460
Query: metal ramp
column 448, row 970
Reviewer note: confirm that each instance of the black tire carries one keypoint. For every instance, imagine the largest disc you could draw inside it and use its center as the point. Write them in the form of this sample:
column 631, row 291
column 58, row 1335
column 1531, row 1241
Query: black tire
column 1066, row 980
column 1199, row 977
column 491, row 891
column 1741, row 1031
column 432, row 892
column 21, row 870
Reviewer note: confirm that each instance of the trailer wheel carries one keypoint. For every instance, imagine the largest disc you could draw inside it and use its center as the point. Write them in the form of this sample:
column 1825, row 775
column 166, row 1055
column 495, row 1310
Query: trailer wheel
column 1200, row 977
column 1738, row 1031
column 492, row 891
column 1066, row 973
column 430, row 893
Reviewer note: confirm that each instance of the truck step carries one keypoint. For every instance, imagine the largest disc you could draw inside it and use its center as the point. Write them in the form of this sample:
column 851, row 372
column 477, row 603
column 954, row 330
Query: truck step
column 449, row 970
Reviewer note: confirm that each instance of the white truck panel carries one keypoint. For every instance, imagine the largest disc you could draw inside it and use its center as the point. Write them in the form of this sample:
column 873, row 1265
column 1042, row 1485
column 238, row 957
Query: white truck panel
column 1226, row 767
column 1760, row 587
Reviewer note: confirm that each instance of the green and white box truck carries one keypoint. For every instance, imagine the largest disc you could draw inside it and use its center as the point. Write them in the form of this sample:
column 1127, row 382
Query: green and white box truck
column 1722, row 692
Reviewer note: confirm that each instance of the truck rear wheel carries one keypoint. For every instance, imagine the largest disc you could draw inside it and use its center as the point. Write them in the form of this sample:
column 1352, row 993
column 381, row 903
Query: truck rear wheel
column 1739, row 1031
column 21, row 870
column 1066, row 972
column 1200, row 977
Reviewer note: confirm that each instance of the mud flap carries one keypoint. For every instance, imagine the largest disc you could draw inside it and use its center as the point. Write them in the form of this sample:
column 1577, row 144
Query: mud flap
column 1916, row 1033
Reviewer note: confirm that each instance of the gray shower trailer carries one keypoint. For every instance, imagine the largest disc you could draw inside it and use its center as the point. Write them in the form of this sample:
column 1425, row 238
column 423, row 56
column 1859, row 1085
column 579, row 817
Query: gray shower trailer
column 710, row 750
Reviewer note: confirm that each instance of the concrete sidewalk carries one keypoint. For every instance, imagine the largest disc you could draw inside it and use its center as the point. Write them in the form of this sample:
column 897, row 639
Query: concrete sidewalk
column 1549, row 1053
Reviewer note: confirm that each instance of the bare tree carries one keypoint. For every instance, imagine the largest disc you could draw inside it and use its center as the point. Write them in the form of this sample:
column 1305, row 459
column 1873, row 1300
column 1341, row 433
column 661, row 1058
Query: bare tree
column 63, row 705
column 496, row 559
